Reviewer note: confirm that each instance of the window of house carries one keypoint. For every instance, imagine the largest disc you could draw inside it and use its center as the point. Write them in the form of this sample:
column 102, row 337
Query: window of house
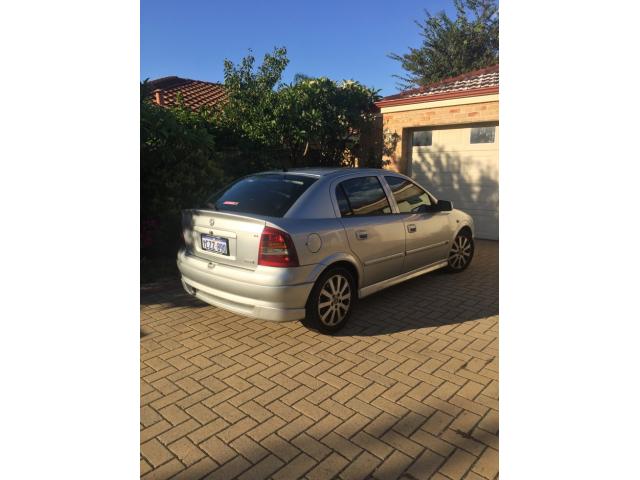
column 364, row 196
column 409, row 197
column 483, row 135
column 422, row 138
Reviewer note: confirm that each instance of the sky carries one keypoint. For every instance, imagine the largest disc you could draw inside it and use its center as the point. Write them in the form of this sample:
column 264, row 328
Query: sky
column 348, row 39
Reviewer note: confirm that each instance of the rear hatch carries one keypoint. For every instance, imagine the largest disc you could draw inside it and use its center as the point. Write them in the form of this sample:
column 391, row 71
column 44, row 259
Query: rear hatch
column 224, row 238
column 228, row 229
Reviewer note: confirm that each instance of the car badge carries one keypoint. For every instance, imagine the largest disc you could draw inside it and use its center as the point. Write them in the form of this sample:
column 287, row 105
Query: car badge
column 211, row 221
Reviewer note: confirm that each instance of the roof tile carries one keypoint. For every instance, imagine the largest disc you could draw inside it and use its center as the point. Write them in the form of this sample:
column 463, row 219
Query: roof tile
column 195, row 93
column 463, row 85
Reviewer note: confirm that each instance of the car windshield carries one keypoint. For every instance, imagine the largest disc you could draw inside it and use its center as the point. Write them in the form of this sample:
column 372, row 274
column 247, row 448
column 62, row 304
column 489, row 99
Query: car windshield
column 269, row 194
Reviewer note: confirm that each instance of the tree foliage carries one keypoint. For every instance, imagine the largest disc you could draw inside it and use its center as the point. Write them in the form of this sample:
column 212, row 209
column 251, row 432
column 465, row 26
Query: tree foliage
column 452, row 46
column 311, row 121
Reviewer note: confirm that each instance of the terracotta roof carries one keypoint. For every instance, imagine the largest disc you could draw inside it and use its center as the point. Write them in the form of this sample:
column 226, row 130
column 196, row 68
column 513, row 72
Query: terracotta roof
column 484, row 81
column 195, row 93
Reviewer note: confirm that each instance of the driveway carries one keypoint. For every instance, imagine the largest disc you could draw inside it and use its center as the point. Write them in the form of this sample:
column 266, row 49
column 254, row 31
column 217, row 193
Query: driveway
column 408, row 389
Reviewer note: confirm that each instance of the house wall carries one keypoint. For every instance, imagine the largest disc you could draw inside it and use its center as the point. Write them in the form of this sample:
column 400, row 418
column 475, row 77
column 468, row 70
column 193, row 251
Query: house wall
column 401, row 119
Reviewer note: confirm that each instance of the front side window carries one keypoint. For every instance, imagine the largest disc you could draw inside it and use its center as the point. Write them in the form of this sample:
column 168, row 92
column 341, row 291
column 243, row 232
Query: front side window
column 270, row 194
column 483, row 135
column 409, row 197
column 364, row 196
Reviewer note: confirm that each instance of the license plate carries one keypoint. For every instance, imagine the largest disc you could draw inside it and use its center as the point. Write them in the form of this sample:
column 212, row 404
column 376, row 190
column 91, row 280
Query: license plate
column 215, row 244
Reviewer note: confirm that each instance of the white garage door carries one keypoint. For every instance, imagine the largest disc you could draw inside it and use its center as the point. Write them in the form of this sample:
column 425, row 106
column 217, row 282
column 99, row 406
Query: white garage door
column 461, row 164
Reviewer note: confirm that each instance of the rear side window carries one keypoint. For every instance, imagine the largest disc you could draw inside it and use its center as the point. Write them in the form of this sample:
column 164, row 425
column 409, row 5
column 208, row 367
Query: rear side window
column 270, row 194
column 365, row 196
column 409, row 197
column 343, row 203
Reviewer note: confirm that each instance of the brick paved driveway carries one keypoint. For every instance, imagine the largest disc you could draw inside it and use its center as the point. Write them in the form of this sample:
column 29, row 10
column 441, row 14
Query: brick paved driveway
column 409, row 389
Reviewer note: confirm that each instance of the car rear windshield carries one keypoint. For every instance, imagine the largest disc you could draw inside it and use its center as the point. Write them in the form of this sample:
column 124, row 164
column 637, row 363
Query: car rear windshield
column 269, row 194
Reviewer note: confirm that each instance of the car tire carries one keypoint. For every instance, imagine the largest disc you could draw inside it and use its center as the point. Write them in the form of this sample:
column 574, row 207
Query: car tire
column 331, row 300
column 461, row 252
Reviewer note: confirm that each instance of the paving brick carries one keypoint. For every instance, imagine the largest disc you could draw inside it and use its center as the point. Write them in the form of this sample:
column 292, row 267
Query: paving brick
column 324, row 426
column 328, row 468
column 265, row 429
column 208, row 430
column 174, row 415
column 311, row 446
column 427, row 464
column 294, row 428
column 148, row 416
column 155, row 453
column 197, row 470
column 487, row 464
column 167, row 470
column 437, row 423
column 361, row 468
column 186, row 451
column 490, row 422
column 372, row 445
column 231, row 469
column 457, row 464
column 296, row 468
column 154, row 430
column 218, row 450
column 393, row 467
column 337, row 443
column 178, row 431
column 280, row 447
column 249, row 449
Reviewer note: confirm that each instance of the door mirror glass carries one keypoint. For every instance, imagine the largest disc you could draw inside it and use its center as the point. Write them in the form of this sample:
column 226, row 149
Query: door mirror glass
column 444, row 206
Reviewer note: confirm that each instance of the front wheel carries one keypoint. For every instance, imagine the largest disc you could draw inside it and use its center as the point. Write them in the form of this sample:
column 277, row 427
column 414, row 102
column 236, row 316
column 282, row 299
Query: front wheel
column 461, row 252
column 331, row 300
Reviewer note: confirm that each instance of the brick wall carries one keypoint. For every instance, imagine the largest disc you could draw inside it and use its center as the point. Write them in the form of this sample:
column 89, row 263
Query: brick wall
column 440, row 116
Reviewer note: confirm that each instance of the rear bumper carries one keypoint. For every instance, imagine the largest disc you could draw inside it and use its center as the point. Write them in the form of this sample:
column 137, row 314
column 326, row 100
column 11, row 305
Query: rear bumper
column 268, row 293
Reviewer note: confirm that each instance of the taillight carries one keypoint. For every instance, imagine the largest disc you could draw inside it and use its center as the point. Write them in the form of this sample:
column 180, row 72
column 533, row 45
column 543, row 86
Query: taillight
column 276, row 249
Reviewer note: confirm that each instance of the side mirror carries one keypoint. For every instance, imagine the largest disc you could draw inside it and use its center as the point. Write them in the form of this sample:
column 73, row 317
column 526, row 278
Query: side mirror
column 444, row 206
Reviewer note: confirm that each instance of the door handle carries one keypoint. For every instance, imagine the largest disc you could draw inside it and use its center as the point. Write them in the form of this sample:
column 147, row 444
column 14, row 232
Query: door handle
column 411, row 228
column 362, row 235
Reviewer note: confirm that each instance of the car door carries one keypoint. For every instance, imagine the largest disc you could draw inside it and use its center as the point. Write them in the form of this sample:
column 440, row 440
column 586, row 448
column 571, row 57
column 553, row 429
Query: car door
column 428, row 232
column 375, row 235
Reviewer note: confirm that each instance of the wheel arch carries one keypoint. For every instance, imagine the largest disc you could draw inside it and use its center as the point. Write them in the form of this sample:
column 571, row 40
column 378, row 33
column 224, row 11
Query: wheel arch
column 344, row 261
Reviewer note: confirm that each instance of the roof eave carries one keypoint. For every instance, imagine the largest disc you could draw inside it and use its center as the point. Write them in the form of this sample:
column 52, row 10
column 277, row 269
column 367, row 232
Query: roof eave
column 438, row 96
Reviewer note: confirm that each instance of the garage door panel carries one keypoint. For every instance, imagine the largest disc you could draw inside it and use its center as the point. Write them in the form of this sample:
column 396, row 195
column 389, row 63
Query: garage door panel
column 467, row 174
column 486, row 225
column 481, row 164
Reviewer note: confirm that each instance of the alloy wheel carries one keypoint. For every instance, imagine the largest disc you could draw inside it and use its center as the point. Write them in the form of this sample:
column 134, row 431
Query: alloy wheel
column 461, row 252
column 334, row 300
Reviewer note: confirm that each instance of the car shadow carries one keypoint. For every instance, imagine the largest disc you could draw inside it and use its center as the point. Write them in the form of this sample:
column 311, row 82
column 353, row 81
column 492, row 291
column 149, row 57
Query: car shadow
column 431, row 300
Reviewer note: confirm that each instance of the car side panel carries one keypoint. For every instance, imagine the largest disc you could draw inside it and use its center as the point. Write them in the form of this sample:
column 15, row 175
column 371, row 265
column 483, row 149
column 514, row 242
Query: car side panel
column 428, row 239
column 379, row 243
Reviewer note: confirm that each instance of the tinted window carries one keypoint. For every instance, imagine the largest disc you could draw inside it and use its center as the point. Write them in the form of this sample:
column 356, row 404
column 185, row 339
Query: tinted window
column 366, row 196
column 270, row 194
column 483, row 135
column 343, row 203
column 422, row 138
column 409, row 197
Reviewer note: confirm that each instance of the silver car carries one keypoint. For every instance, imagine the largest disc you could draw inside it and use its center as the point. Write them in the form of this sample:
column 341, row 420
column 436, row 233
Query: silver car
column 309, row 243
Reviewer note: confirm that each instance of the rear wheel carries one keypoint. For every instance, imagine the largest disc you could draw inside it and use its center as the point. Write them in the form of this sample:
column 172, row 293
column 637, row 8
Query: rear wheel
column 461, row 252
column 331, row 300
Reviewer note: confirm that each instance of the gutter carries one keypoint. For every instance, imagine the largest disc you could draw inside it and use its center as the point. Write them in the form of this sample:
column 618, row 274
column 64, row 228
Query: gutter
column 438, row 96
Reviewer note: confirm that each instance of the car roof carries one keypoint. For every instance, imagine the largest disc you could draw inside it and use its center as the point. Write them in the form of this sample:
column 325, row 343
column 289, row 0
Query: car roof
column 331, row 171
